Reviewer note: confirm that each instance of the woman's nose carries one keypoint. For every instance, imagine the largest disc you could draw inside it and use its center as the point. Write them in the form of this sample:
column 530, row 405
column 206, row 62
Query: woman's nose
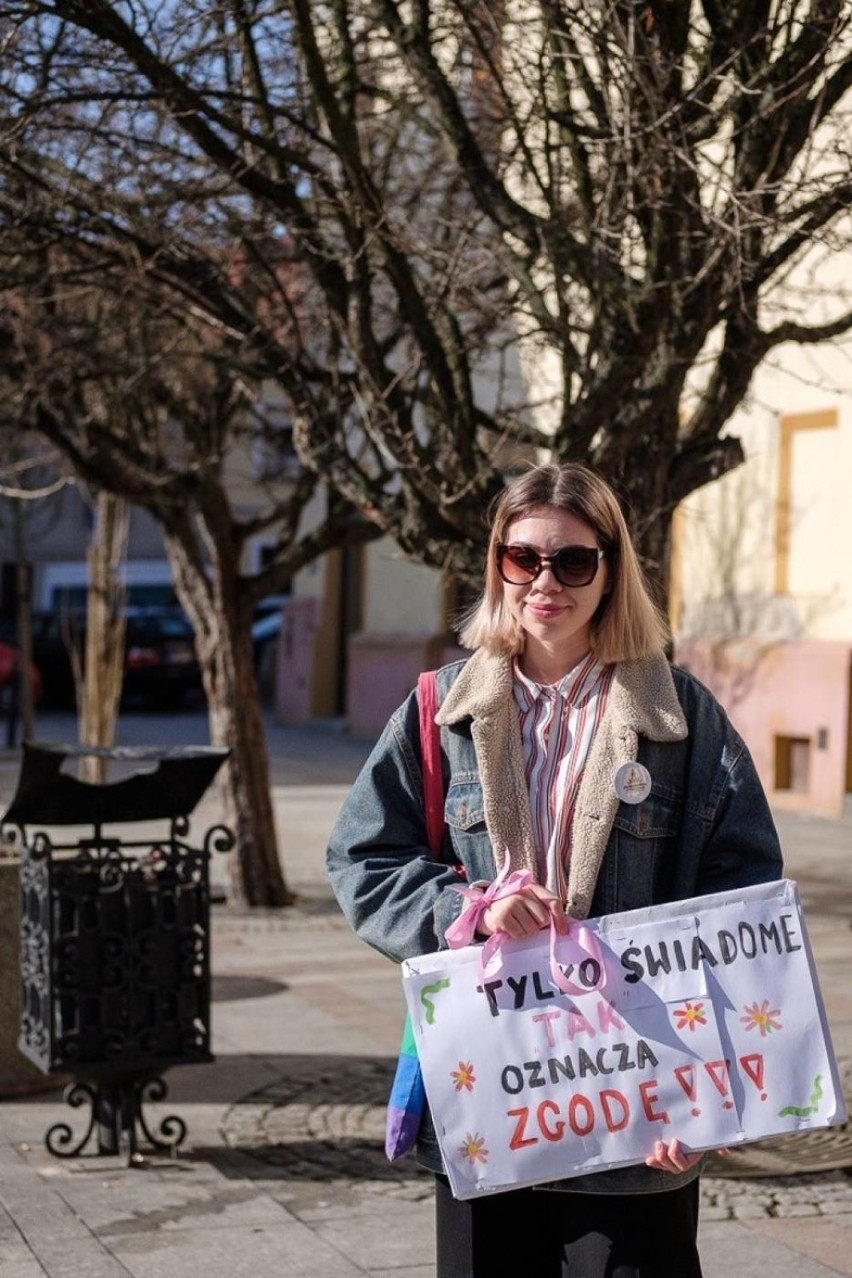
column 546, row 579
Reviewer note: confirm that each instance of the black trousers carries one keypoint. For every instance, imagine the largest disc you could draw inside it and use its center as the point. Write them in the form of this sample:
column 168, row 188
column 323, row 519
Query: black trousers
column 537, row 1233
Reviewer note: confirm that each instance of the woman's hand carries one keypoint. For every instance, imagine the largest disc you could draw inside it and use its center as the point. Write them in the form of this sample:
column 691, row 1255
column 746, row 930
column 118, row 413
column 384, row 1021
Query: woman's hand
column 672, row 1157
column 523, row 913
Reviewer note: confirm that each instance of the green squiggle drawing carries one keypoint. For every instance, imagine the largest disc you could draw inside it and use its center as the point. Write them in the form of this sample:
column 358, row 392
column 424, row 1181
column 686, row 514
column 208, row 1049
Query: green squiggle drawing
column 443, row 984
column 802, row 1111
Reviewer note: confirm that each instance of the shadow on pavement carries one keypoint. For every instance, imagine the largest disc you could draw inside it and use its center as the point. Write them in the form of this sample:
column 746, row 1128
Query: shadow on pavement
column 233, row 989
column 312, row 1162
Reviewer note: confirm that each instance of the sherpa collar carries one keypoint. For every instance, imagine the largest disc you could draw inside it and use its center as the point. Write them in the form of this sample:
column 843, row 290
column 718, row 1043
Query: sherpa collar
column 642, row 702
column 642, row 695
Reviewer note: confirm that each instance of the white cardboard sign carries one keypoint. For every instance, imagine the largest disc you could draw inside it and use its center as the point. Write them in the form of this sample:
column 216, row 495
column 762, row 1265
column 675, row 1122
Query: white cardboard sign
column 709, row 1026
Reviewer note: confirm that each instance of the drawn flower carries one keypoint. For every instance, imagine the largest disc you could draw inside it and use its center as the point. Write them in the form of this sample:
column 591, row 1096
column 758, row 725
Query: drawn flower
column 463, row 1076
column 690, row 1016
column 761, row 1018
column 473, row 1148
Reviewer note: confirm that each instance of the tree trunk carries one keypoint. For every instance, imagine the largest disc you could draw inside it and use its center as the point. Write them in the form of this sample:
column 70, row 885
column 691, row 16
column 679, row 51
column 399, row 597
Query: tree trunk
column 236, row 720
column 653, row 545
column 638, row 456
column 105, row 631
column 644, row 492
column 222, row 623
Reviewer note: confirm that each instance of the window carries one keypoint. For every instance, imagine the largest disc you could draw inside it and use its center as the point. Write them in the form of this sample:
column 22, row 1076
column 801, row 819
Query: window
column 793, row 764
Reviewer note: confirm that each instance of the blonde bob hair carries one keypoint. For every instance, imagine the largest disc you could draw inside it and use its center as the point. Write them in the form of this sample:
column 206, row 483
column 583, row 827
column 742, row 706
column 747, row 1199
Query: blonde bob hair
column 627, row 625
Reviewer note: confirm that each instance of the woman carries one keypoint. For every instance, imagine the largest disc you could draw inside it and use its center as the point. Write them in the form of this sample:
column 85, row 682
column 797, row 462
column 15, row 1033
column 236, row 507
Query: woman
column 569, row 741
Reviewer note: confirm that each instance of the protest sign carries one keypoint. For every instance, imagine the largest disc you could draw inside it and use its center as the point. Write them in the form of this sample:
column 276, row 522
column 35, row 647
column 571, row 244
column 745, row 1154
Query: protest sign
column 701, row 1019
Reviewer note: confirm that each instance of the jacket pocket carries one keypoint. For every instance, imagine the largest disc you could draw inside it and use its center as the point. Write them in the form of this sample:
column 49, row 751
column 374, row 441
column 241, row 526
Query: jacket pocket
column 646, row 843
column 464, row 812
column 464, row 806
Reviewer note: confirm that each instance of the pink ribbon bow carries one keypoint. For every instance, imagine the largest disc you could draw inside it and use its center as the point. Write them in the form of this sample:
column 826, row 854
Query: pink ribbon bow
column 462, row 931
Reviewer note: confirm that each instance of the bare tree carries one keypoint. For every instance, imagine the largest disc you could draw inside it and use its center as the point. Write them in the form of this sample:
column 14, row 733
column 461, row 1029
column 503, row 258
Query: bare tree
column 733, row 620
column 545, row 225
column 151, row 402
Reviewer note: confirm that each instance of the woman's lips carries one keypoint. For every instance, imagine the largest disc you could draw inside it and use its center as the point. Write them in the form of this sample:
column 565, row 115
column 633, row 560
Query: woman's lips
column 544, row 610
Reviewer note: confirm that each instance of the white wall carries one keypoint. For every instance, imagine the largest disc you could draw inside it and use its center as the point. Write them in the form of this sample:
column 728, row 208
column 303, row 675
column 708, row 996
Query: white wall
column 400, row 597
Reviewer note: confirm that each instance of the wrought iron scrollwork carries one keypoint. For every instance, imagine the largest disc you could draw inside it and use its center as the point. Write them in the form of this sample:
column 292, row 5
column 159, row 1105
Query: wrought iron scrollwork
column 60, row 1136
column 180, row 827
column 116, row 1118
column 10, row 837
column 219, row 838
column 172, row 1130
column 39, row 846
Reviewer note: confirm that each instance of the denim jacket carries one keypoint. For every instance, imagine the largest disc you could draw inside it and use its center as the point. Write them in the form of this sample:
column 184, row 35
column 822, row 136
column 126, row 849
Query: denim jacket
column 704, row 827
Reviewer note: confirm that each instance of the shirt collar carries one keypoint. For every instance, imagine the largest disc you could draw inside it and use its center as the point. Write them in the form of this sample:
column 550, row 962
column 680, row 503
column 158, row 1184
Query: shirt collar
column 581, row 679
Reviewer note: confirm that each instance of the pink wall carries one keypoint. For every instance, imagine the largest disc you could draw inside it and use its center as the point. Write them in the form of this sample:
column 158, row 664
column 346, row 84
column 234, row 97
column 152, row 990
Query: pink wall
column 799, row 689
column 383, row 668
column 295, row 659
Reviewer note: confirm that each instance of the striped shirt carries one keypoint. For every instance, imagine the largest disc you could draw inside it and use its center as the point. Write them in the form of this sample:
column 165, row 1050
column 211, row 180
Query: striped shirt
column 558, row 725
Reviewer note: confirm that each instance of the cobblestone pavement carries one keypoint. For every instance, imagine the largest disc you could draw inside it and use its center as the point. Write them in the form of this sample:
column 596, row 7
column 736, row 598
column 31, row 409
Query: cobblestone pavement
column 826, row 1194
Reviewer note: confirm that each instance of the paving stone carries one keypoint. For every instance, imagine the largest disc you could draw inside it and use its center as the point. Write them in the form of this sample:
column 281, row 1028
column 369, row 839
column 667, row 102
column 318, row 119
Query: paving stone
column 81, row 1257
column 715, row 1212
column 380, row 1241
column 731, row 1249
column 17, row 1261
column 747, row 1210
column 796, row 1209
column 292, row 1250
column 821, row 1242
column 836, row 1206
column 164, row 1205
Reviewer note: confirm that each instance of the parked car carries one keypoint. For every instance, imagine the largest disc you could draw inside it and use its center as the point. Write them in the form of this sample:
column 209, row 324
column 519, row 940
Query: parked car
column 160, row 665
column 9, row 675
column 265, row 630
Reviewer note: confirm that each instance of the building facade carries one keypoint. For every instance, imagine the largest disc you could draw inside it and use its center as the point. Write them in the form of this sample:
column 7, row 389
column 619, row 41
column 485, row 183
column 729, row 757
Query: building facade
column 762, row 584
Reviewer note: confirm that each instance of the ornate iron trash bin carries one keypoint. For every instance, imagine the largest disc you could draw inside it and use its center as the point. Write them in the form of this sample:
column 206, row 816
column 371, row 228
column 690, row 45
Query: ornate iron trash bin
column 115, row 936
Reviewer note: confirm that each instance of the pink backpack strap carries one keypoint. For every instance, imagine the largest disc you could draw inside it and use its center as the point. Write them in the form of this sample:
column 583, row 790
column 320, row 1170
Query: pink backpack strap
column 430, row 749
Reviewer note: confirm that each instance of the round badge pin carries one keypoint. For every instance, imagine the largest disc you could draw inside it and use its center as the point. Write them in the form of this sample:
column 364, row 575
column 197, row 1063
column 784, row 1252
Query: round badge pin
column 632, row 783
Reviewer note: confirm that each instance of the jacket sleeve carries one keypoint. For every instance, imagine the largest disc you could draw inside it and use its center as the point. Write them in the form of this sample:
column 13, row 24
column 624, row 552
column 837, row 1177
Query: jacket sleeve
column 395, row 894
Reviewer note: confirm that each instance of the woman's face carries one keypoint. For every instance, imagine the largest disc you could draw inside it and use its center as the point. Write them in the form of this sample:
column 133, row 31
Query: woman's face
column 556, row 619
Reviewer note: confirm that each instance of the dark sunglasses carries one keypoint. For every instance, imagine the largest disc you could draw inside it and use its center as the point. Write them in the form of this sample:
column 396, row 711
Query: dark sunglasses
column 571, row 565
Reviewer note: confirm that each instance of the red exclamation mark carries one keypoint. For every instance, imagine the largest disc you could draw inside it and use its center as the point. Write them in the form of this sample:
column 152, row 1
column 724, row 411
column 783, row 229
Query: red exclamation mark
column 685, row 1075
column 753, row 1067
column 719, row 1076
